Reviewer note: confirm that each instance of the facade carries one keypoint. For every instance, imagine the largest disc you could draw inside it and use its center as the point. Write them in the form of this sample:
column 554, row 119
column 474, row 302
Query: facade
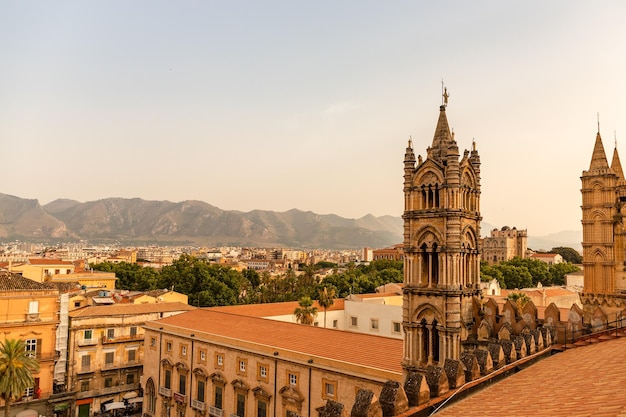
column 105, row 358
column 43, row 269
column 29, row 312
column 207, row 362
column 394, row 253
column 441, row 248
column 504, row 245
column 603, row 196
column 549, row 258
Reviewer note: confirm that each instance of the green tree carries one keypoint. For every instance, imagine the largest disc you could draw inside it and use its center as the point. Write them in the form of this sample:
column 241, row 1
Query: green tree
column 306, row 313
column 520, row 300
column 326, row 299
column 558, row 272
column 570, row 255
column 16, row 371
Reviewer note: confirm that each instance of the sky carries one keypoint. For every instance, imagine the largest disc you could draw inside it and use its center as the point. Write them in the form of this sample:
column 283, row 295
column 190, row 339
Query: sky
column 276, row 105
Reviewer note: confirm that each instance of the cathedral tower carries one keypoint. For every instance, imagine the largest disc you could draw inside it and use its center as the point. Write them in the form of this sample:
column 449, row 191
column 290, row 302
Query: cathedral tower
column 603, row 197
column 441, row 253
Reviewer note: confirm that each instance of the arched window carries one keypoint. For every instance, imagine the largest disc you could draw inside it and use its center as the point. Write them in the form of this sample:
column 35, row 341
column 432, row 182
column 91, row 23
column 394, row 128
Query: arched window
column 150, row 396
column 425, row 340
column 435, row 342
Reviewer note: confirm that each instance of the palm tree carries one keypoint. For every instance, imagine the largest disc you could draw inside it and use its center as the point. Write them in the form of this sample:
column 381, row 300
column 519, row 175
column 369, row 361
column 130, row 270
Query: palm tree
column 306, row 313
column 519, row 299
column 327, row 299
column 16, row 371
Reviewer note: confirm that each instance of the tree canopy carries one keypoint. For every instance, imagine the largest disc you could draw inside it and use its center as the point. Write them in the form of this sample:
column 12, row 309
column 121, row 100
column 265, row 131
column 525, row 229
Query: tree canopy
column 525, row 273
column 16, row 371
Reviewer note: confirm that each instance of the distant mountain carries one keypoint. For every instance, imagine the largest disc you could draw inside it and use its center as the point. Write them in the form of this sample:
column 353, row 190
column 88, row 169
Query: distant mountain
column 137, row 221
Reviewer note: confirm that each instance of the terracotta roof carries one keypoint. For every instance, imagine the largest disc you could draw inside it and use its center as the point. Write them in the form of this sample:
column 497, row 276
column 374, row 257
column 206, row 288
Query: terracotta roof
column 129, row 309
column 585, row 381
column 382, row 353
column 543, row 255
column 15, row 282
column 48, row 261
column 274, row 309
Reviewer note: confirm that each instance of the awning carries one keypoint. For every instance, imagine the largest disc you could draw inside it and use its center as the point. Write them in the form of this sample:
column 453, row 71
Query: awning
column 135, row 400
column 61, row 407
column 114, row 406
column 130, row 395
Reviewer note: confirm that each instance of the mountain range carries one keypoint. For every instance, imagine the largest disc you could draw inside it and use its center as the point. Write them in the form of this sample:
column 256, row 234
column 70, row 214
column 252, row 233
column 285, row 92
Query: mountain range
column 141, row 222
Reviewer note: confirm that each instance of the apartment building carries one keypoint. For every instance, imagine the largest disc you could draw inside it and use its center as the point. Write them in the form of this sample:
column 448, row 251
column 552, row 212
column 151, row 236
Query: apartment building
column 29, row 311
column 207, row 362
column 105, row 355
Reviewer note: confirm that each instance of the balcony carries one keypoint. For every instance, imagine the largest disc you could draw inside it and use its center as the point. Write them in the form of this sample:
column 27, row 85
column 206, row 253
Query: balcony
column 198, row 405
column 108, row 391
column 85, row 370
column 166, row 392
column 121, row 339
column 180, row 398
column 88, row 342
column 215, row 411
column 32, row 317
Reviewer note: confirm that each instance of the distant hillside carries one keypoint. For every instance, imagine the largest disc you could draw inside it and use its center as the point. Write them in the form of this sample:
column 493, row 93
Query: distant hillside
column 137, row 221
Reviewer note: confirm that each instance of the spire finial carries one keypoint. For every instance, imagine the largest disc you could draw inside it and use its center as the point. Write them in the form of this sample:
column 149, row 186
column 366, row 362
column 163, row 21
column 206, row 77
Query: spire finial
column 615, row 137
column 598, row 115
column 410, row 141
column 444, row 94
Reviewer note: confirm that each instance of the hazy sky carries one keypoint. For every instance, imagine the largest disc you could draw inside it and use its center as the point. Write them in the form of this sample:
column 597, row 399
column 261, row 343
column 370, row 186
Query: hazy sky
column 277, row 105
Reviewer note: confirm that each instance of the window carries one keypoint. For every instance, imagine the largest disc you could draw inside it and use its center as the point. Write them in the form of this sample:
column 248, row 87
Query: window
column 335, row 324
column 28, row 392
column 132, row 355
column 200, row 390
column 84, row 386
column 261, row 408
column 168, row 346
column 262, row 372
column 293, row 379
column 219, row 360
column 85, row 361
column 110, row 334
column 397, row 327
column 130, row 378
column 108, row 358
column 108, row 382
column 330, row 389
column 203, row 355
column 153, row 342
column 183, row 350
column 133, row 331
column 31, row 348
column 168, row 378
column 33, row 307
column 241, row 366
column 57, row 271
column 241, row 405
column 88, row 334
column 76, row 303
column 182, row 383
column 218, row 397
column 151, row 396
column 374, row 324
column 353, row 321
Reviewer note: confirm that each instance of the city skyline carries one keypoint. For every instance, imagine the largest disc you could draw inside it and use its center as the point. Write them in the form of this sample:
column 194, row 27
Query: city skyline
column 279, row 105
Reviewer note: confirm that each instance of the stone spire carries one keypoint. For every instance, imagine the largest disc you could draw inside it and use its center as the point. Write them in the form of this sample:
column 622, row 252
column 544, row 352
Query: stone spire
column 598, row 160
column 442, row 137
column 616, row 166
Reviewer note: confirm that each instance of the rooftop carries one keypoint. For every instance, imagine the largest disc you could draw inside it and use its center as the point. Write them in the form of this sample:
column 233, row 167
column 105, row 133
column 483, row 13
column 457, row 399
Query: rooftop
column 381, row 353
column 585, row 381
column 129, row 309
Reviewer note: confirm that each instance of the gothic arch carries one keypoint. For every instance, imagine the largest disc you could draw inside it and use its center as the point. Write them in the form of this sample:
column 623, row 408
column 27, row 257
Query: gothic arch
column 429, row 235
column 429, row 176
column 428, row 312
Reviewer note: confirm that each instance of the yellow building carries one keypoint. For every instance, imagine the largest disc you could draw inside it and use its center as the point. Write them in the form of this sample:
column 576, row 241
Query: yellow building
column 29, row 311
column 207, row 362
column 42, row 269
column 105, row 355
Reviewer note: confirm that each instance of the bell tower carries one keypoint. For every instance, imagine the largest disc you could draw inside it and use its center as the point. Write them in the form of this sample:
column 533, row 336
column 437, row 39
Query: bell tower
column 441, row 247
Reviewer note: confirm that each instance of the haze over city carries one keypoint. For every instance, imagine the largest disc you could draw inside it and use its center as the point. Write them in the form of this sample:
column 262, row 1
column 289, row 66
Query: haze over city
column 277, row 105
